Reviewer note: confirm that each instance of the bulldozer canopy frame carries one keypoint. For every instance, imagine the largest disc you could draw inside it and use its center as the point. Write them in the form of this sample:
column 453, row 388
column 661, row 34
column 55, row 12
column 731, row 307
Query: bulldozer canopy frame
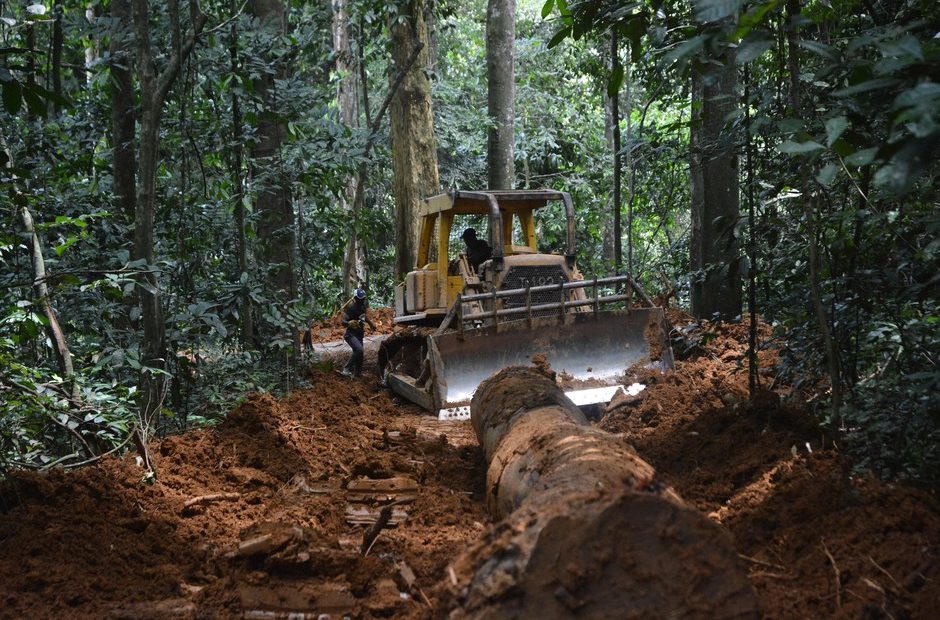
column 521, row 203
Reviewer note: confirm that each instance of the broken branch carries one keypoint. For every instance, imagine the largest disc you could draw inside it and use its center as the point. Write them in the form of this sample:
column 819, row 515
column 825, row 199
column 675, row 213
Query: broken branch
column 212, row 497
column 838, row 576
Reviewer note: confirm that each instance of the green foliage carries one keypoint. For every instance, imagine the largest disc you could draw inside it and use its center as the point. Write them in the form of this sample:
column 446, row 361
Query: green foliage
column 859, row 157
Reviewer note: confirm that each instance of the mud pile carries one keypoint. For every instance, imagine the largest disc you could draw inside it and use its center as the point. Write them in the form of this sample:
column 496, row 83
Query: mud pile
column 252, row 517
column 821, row 542
column 332, row 329
column 266, row 514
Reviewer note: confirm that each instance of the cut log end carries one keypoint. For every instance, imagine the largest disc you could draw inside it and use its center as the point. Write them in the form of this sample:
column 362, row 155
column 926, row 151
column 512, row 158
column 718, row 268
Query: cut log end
column 637, row 556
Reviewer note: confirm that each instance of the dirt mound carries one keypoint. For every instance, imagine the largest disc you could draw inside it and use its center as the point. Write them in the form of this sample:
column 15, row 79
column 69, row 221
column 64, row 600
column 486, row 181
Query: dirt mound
column 249, row 516
column 332, row 329
column 265, row 515
column 821, row 542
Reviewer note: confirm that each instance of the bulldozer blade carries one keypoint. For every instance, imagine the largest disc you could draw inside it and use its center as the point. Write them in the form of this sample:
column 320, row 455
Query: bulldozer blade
column 587, row 350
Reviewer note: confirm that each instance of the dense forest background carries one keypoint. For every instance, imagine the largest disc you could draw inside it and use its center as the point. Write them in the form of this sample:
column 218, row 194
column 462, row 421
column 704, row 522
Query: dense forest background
column 187, row 185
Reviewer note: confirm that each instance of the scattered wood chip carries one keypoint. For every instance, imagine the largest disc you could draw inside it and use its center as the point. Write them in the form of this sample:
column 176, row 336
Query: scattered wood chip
column 212, row 497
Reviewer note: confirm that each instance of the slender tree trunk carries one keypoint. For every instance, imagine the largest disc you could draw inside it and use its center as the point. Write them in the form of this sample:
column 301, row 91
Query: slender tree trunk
column 272, row 200
column 501, row 91
column 753, row 379
column 630, row 165
column 715, row 250
column 810, row 213
column 241, row 236
column 618, row 167
column 92, row 50
column 347, row 99
column 123, row 116
column 414, row 147
column 40, row 288
column 153, row 92
column 57, row 14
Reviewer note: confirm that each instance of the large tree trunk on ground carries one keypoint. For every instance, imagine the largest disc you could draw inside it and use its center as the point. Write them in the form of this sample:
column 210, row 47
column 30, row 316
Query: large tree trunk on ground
column 123, row 155
column 272, row 201
column 715, row 249
column 347, row 101
column 414, row 147
column 501, row 91
column 588, row 530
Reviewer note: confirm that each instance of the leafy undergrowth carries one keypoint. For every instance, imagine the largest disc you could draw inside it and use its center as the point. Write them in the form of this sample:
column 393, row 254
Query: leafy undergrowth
column 98, row 542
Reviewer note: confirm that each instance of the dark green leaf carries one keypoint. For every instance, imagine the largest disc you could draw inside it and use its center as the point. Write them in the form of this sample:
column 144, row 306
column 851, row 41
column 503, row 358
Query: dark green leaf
column 713, row 10
column 615, row 81
column 559, row 36
column 12, row 96
column 866, row 86
column 797, row 148
column 547, row 8
column 862, row 157
column 834, row 128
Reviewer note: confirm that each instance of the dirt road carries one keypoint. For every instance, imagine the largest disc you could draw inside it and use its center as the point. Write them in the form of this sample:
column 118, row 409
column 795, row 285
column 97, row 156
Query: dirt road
column 266, row 514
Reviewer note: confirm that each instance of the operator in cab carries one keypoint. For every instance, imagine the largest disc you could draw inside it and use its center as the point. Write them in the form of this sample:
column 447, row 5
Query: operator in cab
column 478, row 250
column 354, row 316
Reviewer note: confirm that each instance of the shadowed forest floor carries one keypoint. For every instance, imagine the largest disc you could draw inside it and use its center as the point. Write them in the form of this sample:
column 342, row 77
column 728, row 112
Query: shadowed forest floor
column 262, row 515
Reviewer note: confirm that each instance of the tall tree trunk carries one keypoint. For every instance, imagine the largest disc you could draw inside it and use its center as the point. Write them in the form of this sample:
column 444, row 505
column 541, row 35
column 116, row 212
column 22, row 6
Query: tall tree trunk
column 753, row 379
column 501, row 91
column 92, row 50
column 348, row 103
column 810, row 214
column 241, row 236
column 615, row 136
column 414, row 147
column 715, row 249
column 272, row 200
column 123, row 116
column 153, row 92
column 57, row 14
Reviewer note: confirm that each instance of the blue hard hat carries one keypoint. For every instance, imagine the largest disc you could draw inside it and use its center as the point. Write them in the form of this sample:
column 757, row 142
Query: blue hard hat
column 360, row 293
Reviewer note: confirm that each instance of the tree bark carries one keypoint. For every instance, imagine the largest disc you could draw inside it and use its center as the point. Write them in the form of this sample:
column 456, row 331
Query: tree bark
column 414, row 147
column 123, row 116
column 347, row 100
column 715, row 248
column 57, row 14
column 153, row 92
column 618, row 167
column 272, row 200
column 810, row 215
column 587, row 526
column 241, row 235
column 40, row 288
column 501, row 91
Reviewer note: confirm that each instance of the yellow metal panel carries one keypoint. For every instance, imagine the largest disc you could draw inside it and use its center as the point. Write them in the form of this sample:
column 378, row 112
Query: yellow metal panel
column 424, row 238
column 443, row 237
column 527, row 220
column 454, row 288
column 507, row 227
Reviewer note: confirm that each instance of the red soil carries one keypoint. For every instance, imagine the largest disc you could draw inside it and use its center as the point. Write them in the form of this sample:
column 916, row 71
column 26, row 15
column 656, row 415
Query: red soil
column 101, row 543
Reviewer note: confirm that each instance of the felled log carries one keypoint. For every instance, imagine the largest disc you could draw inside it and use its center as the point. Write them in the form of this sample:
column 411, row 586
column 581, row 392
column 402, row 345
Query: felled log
column 587, row 528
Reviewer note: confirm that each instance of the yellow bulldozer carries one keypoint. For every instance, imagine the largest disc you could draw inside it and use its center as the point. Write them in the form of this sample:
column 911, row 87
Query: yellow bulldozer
column 518, row 306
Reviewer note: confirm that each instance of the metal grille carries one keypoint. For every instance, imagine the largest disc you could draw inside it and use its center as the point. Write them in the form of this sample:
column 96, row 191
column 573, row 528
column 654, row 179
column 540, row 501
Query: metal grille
column 541, row 275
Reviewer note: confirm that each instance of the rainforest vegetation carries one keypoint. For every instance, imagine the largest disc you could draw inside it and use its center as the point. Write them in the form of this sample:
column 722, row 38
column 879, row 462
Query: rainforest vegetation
column 187, row 185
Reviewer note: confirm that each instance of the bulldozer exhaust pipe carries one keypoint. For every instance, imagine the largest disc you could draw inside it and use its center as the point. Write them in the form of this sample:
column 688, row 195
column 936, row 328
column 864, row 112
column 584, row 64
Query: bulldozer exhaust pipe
column 588, row 529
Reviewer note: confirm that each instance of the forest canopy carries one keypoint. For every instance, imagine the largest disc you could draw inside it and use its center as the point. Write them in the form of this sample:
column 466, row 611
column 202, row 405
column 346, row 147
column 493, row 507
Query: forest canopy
column 186, row 186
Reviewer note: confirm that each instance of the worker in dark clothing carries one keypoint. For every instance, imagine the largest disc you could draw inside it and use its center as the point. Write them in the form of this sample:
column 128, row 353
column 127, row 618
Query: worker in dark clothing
column 478, row 250
column 353, row 318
